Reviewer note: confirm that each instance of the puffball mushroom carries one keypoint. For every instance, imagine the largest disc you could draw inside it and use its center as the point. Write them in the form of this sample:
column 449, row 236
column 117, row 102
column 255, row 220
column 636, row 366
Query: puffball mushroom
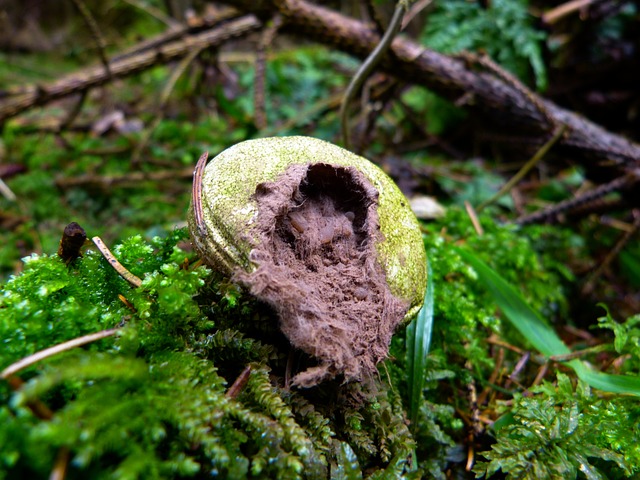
column 322, row 235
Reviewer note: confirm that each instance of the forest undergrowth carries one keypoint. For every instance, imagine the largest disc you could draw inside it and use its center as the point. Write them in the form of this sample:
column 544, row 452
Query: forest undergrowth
column 523, row 363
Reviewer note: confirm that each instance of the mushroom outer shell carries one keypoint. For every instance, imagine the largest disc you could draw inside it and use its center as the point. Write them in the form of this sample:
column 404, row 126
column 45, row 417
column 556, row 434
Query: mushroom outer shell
column 229, row 210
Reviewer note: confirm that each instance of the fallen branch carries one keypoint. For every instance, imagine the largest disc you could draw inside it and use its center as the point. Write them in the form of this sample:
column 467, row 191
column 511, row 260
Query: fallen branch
column 125, row 179
column 83, row 80
column 453, row 78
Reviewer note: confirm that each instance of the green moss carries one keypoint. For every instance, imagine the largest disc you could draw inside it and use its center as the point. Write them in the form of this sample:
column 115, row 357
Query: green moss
column 152, row 402
column 562, row 430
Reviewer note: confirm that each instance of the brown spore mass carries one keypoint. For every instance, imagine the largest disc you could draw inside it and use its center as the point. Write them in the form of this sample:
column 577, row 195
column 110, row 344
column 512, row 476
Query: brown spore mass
column 317, row 227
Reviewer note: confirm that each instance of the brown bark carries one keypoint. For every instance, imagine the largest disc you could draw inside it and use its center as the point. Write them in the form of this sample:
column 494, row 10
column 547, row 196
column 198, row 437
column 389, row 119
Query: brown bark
column 505, row 104
column 127, row 65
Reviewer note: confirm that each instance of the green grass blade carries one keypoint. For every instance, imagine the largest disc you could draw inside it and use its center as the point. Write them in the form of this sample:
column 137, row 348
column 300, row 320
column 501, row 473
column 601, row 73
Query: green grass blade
column 625, row 384
column 418, row 340
column 539, row 333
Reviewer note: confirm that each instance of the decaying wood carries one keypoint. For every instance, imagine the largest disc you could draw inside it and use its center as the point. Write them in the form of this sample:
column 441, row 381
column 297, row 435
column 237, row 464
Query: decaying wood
column 94, row 76
column 454, row 78
column 504, row 105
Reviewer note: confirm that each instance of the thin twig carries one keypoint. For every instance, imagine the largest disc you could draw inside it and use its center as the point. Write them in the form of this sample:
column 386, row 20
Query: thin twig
column 415, row 10
column 59, row 471
column 578, row 353
column 475, row 425
column 238, row 385
column 95, row 33
column 474, row 218
column 123, row 180
column 73, row 113
column 494, row 340
column 7, row 192
column 487, row 62
column 196, row 195
column 542, row 372
column 41, row 94
column 164, row 98
column 526, row 168
column 519, row 366
column 561, row 11
column 155, row 13
column 367, row 67
column 118, row 267
column 493, row 378
column 56, row 349
column 623, row 182
column 612, row 254
column 259, row 89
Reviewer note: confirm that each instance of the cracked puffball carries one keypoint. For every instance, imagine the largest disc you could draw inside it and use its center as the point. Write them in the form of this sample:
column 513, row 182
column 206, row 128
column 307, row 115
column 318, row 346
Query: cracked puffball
column 323, row 236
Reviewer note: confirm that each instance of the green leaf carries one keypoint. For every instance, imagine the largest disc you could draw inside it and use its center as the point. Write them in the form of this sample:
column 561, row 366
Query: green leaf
column 418, row 339
column 540, row 334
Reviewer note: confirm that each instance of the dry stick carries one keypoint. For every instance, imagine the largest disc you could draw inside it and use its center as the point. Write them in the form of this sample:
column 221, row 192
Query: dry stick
column 519, row 367
column 73, row 113
column 126, row 179
column 542, row 372
column 176, row 31
column 619, row 184
column 474, row 218
column 561, row 11
column 486, row 61
column 7, row 192
column 164, row 98
column 95, row 33
column 56, row 349
column 367, row 67
column 414, row 11
column 539, row 155
column 118, row 267
column 39, row 408
column 620, row 244
column 494, row 340
column 451, row 78
column 577, row 354
column 196, row 195
column 259, row 90
column 238, row 385
column 616, row 224
column 493, row 378
column 155, row 13
column 475, row 424
column 59, row 471
column 94, row 76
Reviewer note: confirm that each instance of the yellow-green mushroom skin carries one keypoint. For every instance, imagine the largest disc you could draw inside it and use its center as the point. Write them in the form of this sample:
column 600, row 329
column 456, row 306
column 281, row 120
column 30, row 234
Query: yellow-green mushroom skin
column 317, row 209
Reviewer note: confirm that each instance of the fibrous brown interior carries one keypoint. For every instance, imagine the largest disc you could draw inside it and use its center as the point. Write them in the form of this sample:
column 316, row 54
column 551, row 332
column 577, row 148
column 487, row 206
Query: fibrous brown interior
column 317, row 266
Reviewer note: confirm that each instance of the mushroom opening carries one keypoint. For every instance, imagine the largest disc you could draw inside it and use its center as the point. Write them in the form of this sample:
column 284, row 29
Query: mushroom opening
column 317, row 229
column 326, row 220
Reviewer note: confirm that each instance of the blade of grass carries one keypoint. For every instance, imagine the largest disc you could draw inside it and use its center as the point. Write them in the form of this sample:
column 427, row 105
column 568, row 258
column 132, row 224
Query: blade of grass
column 418, row 340
column 539, row 333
